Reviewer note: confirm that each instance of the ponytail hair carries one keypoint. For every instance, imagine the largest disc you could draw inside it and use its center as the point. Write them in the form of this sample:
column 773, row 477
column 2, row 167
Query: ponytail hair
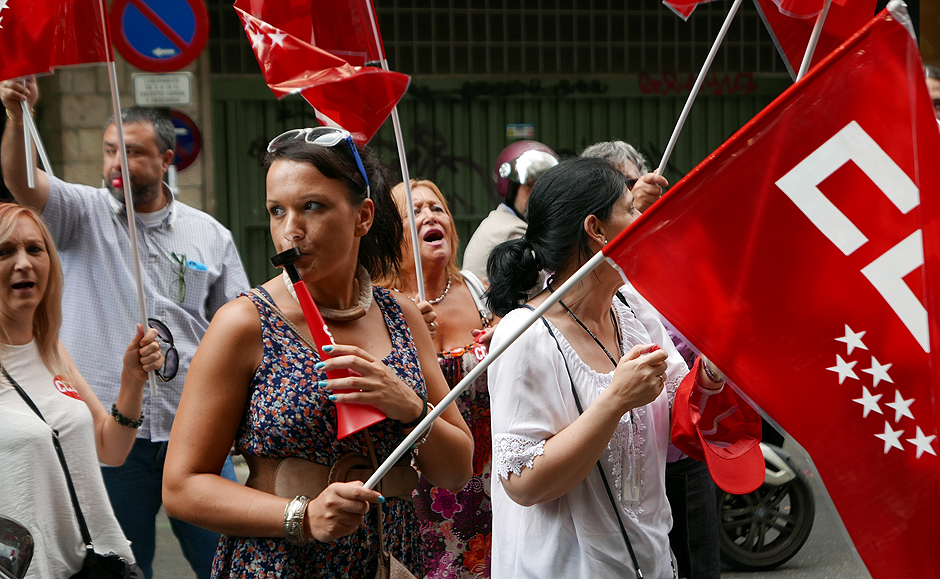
column 560, row 201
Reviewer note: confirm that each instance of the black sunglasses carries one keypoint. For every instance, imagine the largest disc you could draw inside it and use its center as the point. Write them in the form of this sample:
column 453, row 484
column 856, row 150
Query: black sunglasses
column 171, row 365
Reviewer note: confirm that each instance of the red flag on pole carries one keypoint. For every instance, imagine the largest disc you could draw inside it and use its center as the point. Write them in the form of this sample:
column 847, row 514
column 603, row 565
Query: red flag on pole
column 683, row 8
column 801, row 245
column 37, row 36
column 790, row 25
column 322, row 55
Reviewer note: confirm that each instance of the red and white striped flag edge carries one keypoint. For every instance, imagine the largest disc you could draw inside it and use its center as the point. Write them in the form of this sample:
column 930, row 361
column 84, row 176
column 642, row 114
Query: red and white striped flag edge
column 803, row 258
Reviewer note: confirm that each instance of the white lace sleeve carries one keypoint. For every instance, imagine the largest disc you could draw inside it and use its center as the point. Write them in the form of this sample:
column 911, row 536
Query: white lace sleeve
column 511, row 452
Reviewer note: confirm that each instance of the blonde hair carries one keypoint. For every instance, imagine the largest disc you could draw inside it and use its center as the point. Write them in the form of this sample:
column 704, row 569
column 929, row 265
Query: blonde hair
column 398, row 194
column 48, row 316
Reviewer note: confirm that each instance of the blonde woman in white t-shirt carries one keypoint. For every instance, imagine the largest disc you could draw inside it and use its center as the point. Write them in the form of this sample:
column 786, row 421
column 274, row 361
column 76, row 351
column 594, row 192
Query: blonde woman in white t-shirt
column 34, row 489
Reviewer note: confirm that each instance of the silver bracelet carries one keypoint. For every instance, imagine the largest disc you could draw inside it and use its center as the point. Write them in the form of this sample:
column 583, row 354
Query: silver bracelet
column 711, row 375
column 294, row 520
column 424, row 437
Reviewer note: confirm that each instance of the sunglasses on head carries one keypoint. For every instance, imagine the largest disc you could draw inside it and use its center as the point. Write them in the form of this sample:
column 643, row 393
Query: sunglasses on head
column 325, row 137
column 171, row 364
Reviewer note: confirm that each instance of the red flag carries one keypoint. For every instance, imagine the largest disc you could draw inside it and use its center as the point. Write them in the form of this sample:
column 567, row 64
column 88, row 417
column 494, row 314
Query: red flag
column 795, row 8
column 800, row 245
column 683, row 8
column 322, row 56
column 37, row 36
column 791, row 23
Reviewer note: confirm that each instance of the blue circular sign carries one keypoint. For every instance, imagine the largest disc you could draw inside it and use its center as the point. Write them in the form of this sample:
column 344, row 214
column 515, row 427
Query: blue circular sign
column 160, row 35
column 188, row 139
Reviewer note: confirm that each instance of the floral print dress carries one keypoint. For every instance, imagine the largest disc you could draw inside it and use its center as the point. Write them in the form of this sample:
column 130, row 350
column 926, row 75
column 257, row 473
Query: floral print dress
column 288, row 415
column 456, row 529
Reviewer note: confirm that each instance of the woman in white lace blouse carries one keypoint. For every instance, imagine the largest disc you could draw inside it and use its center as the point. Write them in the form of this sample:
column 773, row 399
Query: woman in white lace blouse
column 552, row 515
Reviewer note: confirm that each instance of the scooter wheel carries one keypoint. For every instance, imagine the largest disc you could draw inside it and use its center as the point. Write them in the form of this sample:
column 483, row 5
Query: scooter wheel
column 766, row 528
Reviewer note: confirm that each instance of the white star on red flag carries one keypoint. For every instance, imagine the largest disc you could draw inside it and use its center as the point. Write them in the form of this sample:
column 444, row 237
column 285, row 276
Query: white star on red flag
column 844, row 369
column 869, row 402
column 878, row 372
column 891, row 438
column 901, row 406
column 277, row 38
column 852, row 340
column 923, row 443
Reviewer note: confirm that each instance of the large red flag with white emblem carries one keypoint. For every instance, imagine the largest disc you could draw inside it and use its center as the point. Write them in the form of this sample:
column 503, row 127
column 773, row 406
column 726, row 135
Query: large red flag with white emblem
column 794, row 258
column 323, row 55
column 37, row 36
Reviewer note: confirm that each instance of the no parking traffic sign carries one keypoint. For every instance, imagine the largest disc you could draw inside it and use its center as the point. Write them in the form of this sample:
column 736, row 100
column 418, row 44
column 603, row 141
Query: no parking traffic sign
column 188, row 139
column 160, row 35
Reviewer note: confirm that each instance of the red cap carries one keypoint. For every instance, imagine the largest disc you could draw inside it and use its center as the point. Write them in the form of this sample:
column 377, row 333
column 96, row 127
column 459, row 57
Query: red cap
column 727, row 438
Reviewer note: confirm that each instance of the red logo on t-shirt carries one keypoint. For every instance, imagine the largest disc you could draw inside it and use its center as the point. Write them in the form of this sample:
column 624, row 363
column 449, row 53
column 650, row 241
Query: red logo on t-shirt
column 63, row 386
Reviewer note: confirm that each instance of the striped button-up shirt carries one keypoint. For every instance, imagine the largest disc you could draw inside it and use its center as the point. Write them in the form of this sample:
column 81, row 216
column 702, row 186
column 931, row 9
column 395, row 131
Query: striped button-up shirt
column 99, row 305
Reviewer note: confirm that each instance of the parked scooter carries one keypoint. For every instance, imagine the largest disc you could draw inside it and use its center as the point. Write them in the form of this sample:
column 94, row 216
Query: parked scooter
column 16, row 549
column 766, row 528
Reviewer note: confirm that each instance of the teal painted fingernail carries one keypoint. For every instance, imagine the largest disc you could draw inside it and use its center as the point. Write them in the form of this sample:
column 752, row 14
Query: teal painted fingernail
column 328, row 348
column 321, row 384
column 381, row 499
column 332, row 397
column 319, row 365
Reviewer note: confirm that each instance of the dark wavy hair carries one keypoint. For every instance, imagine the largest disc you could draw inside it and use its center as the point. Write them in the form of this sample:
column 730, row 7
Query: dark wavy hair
column 380, row 248
column 561, row 200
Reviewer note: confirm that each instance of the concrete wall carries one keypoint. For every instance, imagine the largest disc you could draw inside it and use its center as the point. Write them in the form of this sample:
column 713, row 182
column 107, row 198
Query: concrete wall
column 75, row 104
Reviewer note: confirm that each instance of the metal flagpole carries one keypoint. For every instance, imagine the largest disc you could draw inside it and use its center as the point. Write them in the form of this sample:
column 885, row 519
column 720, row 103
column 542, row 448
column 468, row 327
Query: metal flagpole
column 813, row 40
column 396, row 124
column 28, row 119
column 697, row 86
column 128, row 196
column 483, row 365
column 27, row 142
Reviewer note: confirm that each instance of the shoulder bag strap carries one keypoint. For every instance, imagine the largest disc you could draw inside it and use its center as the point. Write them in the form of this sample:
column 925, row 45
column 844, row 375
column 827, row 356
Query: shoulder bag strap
column 623, row 300
column 86, row 536
column 477, row 291
column 262, row 294
column 600, row 468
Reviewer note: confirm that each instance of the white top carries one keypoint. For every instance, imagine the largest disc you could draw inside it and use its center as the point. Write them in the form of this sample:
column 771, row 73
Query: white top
column 577, row 535
column 32, row 485
column 99, row 303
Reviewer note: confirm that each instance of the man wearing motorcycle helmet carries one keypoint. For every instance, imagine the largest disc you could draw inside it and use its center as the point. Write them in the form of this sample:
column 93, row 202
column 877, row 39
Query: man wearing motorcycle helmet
column 517, row 167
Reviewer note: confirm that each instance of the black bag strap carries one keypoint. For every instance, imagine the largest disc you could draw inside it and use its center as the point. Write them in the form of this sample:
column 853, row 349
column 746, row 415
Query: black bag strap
column 600, row 468
column 83, row 527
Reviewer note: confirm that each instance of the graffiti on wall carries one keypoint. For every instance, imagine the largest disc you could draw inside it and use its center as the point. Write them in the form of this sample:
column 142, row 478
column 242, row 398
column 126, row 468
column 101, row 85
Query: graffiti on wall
column 716, row 84
column 429, row 157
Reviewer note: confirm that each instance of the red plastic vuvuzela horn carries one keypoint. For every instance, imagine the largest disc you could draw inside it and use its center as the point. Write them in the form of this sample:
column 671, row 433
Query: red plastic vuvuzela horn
column 350, row 418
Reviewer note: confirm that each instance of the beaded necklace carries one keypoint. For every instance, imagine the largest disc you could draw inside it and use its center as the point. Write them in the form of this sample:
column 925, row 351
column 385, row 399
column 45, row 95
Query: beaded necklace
column 438, row 299
column 349, row 314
